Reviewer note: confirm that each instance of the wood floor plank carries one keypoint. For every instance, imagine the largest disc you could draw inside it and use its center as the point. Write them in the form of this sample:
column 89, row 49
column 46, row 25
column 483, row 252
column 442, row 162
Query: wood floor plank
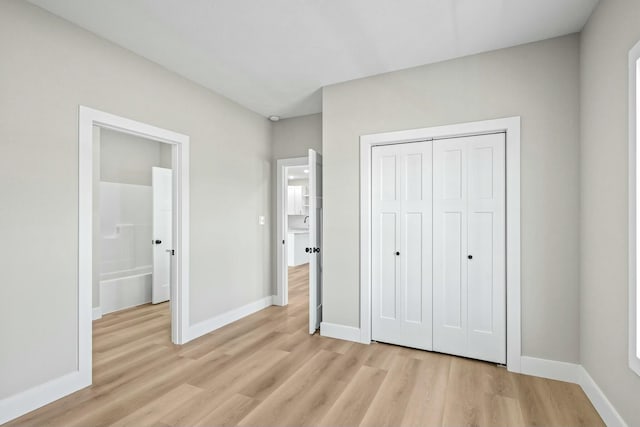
column 155, row 410
column 266, row 370
column 235, row 377
column 536, row 402
column 426, row 403
column 230, row 412
column 269, row 412
column 355, row 400
column 388, row 407
column 573, row 406
column 465, row 400
column 502, row 411
column 192, row 411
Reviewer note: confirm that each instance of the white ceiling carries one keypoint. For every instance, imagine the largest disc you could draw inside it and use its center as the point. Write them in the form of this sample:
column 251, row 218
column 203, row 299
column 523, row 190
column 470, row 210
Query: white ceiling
column 273, row 56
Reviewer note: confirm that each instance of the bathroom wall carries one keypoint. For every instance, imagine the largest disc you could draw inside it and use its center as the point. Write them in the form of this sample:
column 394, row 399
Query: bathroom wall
column 128, row 159
column 125, row 246
column 125, row 227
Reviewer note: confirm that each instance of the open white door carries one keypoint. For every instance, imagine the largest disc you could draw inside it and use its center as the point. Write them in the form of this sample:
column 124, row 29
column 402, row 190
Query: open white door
column 162, row 180
column 315, row 241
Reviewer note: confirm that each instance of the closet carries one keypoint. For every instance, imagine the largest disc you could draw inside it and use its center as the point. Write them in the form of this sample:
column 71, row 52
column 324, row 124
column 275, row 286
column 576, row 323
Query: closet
column 438, row 246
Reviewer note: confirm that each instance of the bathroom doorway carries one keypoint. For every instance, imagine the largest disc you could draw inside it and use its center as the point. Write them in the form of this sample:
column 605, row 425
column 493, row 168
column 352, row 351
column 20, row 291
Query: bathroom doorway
column 133, row 225
column 132, row 222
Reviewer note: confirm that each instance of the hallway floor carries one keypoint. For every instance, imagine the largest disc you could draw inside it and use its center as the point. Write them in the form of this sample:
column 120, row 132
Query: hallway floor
column 266, row 370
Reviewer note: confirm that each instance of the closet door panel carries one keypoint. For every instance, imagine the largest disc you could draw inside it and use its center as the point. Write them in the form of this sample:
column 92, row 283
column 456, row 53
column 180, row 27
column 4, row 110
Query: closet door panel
column 388, row 265
column 481, row 272
column 401, row 244
column 449, row 246
column 452, row 274
column 385, row 274
column 487, row 269
column 469, row 247
column 413, row 268
column 416, row 253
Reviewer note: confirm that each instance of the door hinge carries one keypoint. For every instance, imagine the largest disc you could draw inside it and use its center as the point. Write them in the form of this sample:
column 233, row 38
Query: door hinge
column 172, row 252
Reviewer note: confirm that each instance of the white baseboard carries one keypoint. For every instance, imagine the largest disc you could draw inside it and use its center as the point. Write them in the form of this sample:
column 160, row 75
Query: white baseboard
column 19, row 404
column 210, row 325
column 552, row 369
column 599, row 400
column 97, row 313
column 574, row 373
column 341, row 332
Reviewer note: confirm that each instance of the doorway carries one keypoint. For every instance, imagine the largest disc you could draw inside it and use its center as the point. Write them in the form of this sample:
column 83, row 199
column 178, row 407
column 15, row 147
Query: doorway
column 299, row 232
column 91, row 123
column 132, row 192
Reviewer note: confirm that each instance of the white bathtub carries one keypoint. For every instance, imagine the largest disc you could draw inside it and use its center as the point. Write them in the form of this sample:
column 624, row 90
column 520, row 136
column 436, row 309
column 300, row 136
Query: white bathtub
column 124, row 289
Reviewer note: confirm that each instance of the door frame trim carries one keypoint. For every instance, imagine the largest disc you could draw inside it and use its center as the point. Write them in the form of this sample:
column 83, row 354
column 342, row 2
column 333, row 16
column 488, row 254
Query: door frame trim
column 509, row 125
column 88, row 118
column 282, row 280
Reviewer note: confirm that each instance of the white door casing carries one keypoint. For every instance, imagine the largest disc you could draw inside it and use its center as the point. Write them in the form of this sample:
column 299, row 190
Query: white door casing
column 469, row 276
column 162, row 180
column 401, row 244
column 315, row 240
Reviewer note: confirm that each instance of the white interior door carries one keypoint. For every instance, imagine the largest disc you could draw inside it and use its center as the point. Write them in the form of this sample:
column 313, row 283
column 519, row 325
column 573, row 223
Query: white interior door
column 402, row 244
column 162, row 180
column 469, row 274
column 315, row 241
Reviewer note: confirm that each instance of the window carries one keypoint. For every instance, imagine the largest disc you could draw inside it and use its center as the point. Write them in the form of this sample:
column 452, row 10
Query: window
column 634, row 212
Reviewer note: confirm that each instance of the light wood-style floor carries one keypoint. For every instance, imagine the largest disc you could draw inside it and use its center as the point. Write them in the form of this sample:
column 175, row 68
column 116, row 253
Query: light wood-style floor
column 265, row 370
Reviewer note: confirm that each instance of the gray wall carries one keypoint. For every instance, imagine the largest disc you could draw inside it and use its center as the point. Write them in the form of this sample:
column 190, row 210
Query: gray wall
column 48, row 68
column 537, row 81
column 128, row 159
column 606, row 40
column 293, row 137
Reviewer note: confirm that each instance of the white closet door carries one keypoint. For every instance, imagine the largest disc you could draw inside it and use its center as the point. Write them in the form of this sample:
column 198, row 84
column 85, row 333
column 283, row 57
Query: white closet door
column 469, row 275
column 401, row 239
